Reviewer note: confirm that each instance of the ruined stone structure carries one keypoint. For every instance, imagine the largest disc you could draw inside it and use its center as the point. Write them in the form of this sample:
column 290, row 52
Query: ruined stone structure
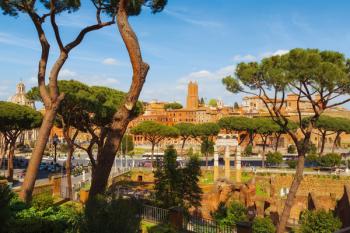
column 342, row 209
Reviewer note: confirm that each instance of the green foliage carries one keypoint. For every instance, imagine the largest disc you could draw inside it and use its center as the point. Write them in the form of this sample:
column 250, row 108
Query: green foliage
column 110, row 215
column 53, row 219
column 319, row 221
column 190, row 152
column 328, row 123
column 161, row 228
column 13, row 8
column 154, row 131
column 231, row 214
column 240, row 124
column 312, row 159
column 213, row 103
column 127, row 145
column 207, row 146
column 5, row 210
column 236, row 106
column 207, row 129
column 175, row 186
column 329, row 160
column 248, row 150
column 292, row 163
column 42, row 201
column 291, row 149
column 312, row 149
column 263, row 225
column 274, row 158
column 18, row 117
column 173, row 105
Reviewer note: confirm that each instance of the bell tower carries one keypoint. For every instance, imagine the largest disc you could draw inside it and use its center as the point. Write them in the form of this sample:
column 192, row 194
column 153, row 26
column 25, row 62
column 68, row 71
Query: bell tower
column 192, row 95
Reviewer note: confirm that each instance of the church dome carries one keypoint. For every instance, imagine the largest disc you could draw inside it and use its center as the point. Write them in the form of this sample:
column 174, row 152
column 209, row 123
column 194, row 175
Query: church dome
column 20, row 96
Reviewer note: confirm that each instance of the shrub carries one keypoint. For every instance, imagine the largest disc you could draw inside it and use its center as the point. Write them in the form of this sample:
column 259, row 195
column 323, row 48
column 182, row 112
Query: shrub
column 5, row 211
column 231, row 214
column 161, row 228
column 110, row 215
column 312, row 149
column 292, row 163
column 319, row 221
column 291, row 149
column 312, row 159
column 42, row 201
column 248, row 150
column 263, row 225
column 274, row 158
column 330, row 160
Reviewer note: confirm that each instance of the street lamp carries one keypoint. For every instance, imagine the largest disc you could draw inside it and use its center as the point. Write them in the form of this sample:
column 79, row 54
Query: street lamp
column 55, row 142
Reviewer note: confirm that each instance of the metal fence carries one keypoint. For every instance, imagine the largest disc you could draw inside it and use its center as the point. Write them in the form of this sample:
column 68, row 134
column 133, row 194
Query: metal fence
column 201, row 225
column 190, row 224
column 155, row 214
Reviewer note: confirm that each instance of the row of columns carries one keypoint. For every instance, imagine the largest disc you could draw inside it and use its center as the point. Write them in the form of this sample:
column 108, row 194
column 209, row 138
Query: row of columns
column 227, row 166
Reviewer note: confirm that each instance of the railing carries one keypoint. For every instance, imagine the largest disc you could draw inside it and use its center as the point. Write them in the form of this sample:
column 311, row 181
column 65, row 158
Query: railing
column 190, row 224
column 154, row 214
column 344, row 230
column 202, row 225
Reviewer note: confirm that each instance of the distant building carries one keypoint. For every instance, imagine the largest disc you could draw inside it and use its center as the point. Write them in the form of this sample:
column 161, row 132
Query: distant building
column 21, row 99
column 192, row 96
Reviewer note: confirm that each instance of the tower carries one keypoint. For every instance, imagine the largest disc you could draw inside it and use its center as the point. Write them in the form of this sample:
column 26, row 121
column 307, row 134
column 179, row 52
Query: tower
column 192, row 95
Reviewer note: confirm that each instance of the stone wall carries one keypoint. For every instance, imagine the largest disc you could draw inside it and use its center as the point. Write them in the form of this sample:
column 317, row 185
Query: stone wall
column 321, row 185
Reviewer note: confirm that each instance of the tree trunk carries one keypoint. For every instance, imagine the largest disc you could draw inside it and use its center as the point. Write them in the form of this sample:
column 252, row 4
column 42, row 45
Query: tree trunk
column 10, row 161
column 323, row 142
column 251, row 139
column 335, row 143
column 152, row 154
column 206, row 160
column 34, row 162
column 182, row 148
column 123, row 116
column 68, row 170
column 263, row 153
column 292, row 192
column 3, row 152
column 277, row 141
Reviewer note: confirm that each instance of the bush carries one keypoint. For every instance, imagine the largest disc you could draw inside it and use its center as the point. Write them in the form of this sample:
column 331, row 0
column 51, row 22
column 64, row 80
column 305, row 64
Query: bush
column 312, row 149
column 312, row 159
column 274, row 158
column 292, row 163
column 161, row 228
column 42, row 201
column 330, row 160
column 291, row 149
column 263, row 225
column 319, row 221
column 6, row 196
column 231, row 214
column 110, row 215
column 248, row 150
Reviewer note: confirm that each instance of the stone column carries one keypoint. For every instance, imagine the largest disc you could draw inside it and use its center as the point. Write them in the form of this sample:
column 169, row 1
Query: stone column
column 121, row 162
column 216, row 164
column 238, row 164
column 227, row 163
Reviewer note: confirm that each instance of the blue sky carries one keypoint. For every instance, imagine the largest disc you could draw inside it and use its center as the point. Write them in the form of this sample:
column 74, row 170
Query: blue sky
column 198, row 40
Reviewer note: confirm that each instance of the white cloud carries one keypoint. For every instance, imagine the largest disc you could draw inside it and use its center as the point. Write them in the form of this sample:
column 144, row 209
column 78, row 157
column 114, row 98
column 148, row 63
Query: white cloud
column 277, row 52
column 197, row 22
column 10, row 39
column 110, row 61
column 204, row 75
column 67, row 74
column 244, row 58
